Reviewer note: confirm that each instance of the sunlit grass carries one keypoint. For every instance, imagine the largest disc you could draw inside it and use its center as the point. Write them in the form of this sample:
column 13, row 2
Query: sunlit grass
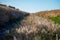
column 56, row 19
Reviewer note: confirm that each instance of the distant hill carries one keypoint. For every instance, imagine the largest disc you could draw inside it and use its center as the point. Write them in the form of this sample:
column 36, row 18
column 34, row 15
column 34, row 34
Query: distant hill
column 48, row 14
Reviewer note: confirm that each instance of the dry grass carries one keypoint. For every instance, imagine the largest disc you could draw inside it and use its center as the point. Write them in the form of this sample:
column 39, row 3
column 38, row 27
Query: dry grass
column 48, row 14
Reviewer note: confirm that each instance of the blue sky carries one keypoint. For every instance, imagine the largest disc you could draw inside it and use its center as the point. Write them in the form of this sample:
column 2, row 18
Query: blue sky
column 33, row 5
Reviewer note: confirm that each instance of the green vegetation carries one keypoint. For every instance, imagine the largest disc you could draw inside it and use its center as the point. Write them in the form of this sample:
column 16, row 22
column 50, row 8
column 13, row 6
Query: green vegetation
column 56, row 19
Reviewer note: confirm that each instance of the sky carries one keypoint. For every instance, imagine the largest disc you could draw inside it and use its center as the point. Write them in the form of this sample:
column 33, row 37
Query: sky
column 33, row 6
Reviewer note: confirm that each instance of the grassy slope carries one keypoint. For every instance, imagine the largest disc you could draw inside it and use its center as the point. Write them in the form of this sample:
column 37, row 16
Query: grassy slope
column 8, row 16
column 53, row 15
